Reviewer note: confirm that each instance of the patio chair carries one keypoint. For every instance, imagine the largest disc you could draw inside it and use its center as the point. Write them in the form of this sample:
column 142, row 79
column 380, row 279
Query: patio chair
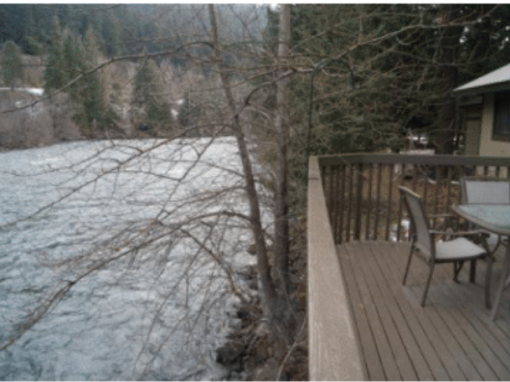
column 455, row 251
column 476, row 190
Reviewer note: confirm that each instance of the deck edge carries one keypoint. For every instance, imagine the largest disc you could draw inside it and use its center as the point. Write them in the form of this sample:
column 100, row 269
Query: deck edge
column 334, row 351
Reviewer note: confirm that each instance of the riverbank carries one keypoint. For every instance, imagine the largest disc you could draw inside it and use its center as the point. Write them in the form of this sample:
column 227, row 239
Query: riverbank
column 251, row 353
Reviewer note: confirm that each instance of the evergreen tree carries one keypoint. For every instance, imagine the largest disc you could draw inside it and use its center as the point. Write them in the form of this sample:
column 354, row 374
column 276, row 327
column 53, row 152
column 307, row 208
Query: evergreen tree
column 89, row 94
column 148, row 92
column 110, row 34
column 73, row 58
column 11, row 64
column 33, row 47
column 55, row 75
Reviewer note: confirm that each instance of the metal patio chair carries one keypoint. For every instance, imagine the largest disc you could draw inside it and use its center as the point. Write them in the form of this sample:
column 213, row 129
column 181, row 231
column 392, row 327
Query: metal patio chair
column 455, row 251
column 476, row 190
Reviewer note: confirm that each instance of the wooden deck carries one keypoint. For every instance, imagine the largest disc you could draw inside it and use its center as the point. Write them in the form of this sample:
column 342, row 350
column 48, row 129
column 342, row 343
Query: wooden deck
column 451, row 338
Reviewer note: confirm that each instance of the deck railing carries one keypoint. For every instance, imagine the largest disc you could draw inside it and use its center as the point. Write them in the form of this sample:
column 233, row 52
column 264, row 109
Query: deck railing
column 362, row 195
column 359, row 194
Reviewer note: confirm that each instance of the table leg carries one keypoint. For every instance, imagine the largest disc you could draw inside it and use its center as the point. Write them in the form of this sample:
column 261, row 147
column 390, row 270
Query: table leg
column 501, row 287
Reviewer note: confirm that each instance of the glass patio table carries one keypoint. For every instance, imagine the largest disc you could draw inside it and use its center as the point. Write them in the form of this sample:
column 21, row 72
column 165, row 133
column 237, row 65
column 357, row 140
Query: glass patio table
column 493, row 218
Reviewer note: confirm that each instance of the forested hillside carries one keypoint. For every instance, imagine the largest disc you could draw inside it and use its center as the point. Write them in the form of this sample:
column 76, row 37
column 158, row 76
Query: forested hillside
column 120, row 70
column 122, row 29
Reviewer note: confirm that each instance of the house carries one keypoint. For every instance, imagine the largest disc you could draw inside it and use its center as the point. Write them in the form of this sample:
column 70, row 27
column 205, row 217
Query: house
column 486, row 105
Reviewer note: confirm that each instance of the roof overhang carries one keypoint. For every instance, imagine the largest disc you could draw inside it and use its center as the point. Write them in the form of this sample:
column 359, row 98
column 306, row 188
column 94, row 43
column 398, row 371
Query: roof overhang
column 497, row 80
column 459, row 92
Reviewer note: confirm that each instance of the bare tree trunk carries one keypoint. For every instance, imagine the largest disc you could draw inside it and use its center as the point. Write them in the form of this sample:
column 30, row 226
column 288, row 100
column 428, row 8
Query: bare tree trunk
column 269, row 293
column 449, row 44
column 281, row 245
column 274, row 287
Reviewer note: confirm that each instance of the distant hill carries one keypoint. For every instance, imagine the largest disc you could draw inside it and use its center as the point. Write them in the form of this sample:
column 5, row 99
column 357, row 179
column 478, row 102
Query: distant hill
column 124, row 29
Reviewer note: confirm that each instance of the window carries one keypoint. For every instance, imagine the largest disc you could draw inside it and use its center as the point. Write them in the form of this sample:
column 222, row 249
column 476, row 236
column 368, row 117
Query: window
column 501, row 130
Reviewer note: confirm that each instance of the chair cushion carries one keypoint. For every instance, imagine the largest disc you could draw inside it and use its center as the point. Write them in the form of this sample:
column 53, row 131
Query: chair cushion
column 457, row 248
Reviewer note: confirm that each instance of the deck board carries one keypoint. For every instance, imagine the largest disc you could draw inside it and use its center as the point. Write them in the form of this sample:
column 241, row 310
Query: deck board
column 407, row 317
column 451, row 338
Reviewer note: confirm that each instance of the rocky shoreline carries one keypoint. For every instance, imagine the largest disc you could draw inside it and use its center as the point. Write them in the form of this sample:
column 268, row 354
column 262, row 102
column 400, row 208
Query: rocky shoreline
column 251, row 354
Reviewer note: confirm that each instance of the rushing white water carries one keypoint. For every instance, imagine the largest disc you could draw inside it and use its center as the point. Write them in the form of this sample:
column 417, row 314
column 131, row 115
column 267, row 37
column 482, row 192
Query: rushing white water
column 157, row 313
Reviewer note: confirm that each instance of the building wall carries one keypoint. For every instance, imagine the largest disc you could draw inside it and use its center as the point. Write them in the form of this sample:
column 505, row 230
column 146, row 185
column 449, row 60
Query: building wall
column 488, row 147
column 472, row 127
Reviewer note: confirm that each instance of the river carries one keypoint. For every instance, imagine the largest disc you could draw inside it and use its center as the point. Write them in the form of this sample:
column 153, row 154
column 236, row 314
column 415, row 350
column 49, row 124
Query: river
column 157, row 312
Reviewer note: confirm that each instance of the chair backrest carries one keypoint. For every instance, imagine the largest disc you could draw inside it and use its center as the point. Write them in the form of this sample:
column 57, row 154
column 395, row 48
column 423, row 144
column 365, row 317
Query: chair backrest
column 419, row 219
column 485, row 190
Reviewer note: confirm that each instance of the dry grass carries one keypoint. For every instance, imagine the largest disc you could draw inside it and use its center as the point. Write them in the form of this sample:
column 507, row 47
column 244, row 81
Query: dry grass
column 42, row 124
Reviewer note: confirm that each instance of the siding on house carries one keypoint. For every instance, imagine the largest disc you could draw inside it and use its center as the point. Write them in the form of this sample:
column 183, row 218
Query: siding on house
column 489, row 147
column 473, row 128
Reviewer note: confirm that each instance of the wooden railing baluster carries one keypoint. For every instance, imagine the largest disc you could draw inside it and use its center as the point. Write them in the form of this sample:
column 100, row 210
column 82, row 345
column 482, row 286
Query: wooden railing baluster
column 425, row 187
column 448, row 188
column 334, row 187
column 415, row 177
column 337, row 203
column 390, row 202
column 343, row 181
column 378, row 198
column 369, row 200
column 436, row 196
column 359, row 200
column 349, row 202
column 342, row 212
column 400, row 206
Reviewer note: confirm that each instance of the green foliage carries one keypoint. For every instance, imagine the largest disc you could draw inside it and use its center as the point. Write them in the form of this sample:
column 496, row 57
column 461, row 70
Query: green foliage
column 55, row 75
column 90, row 93
column 73, row 62
column 148, row 93
column 11, row 64
column 33, row 47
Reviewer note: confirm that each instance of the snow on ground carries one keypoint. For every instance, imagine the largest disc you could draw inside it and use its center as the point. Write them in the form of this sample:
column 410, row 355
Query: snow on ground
column 33, row 91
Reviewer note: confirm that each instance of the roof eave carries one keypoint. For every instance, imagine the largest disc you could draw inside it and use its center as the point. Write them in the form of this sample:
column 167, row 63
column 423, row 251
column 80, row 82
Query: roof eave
column 501, row 86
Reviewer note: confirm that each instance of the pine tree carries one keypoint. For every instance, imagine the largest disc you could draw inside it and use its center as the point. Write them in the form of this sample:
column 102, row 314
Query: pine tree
column 90, row 92
column 74, row 65
column 55, row 76
column 148, row 93
column 33, row 47
column 11, row 64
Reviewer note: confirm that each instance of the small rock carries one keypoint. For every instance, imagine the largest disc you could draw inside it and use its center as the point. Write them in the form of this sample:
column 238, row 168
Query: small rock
column 251, row 250
column 230, row 356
